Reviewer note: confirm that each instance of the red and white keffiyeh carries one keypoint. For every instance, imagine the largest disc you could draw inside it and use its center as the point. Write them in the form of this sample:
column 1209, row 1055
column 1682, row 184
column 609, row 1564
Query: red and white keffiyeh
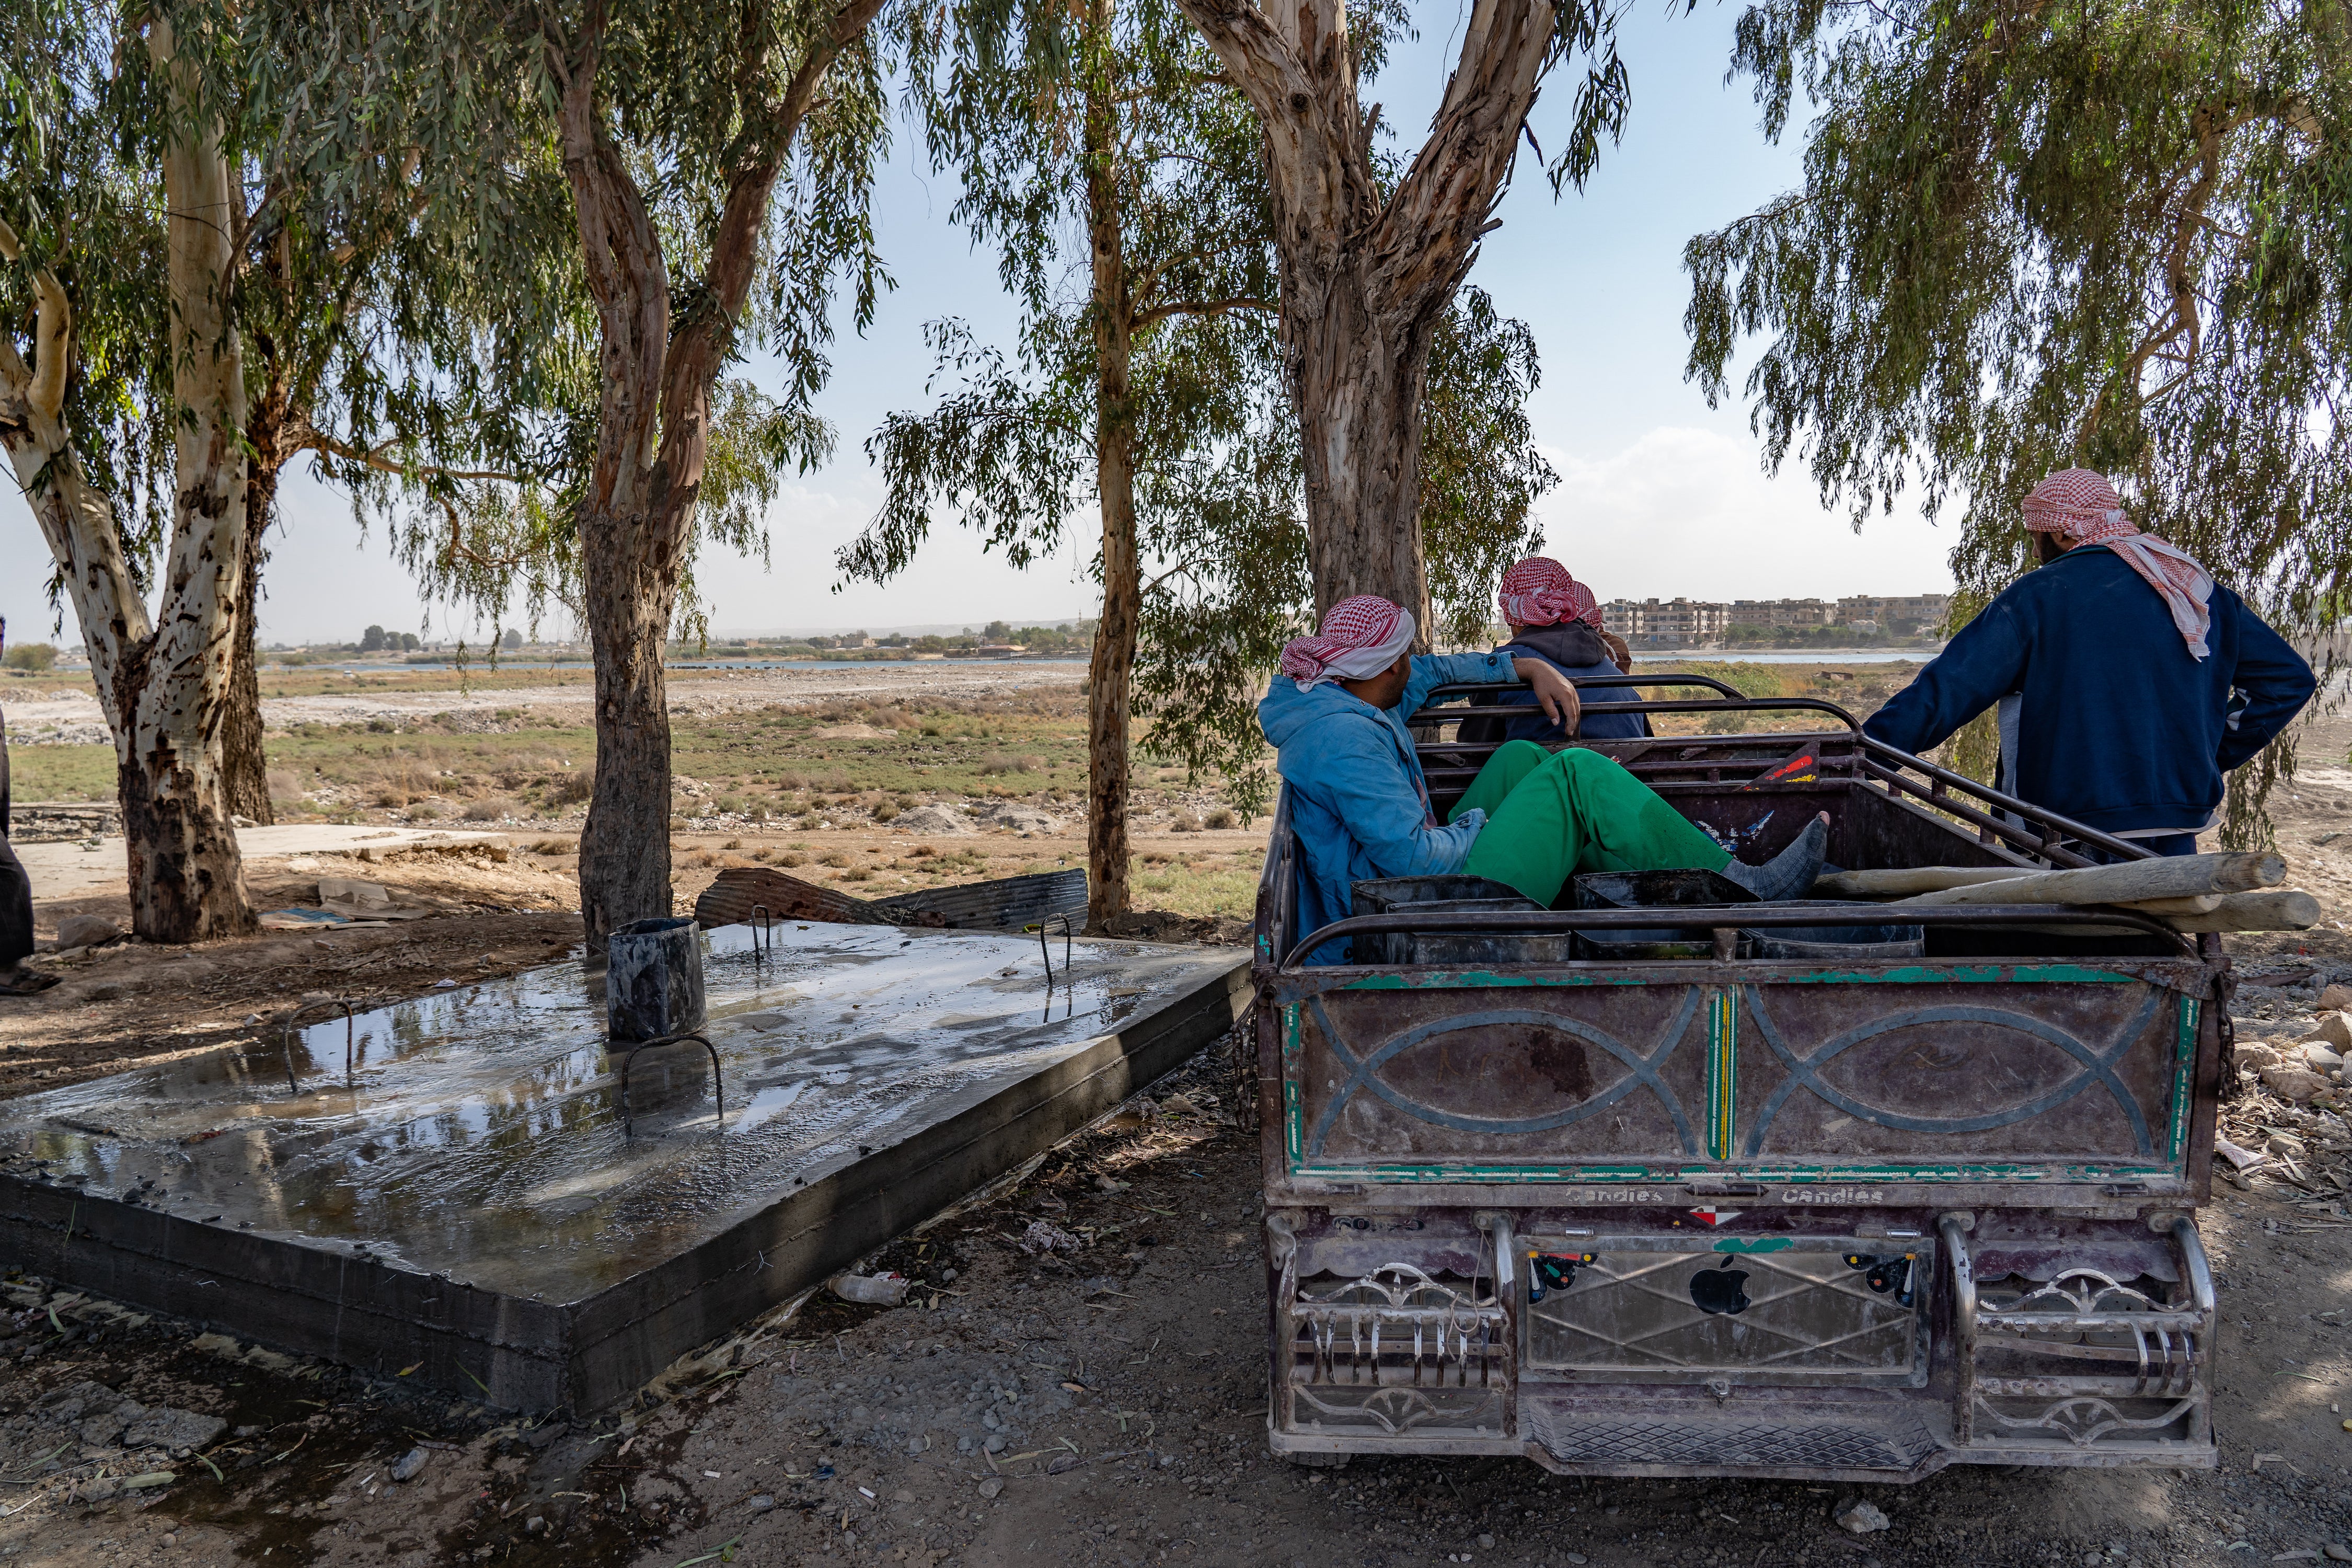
column 1360, row 637
column 2080, row 507
column 1538, row 592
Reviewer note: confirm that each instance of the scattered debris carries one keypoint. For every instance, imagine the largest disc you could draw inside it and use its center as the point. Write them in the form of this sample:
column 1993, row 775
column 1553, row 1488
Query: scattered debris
column 871, row 1289
column 1861, row 1518
column 410, row 1465
column 1045, row 1235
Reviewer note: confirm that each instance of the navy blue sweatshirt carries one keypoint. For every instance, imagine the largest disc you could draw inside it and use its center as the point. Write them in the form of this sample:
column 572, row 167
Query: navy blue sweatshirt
column 2118, row 726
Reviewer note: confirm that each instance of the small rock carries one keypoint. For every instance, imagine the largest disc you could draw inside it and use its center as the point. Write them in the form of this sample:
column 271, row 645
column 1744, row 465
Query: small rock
column 991, row 1486
column 2331, row 1029
column 166, row 1427
column 409, row 1465
column 995, row 1444
column 1062, row 1464
column 2335, row 1551
column 934, row 820
column 1578, row 1557
column 2336, row 999
column 2321, row 1059
column 760, row 1502
column 86, row 931
column 538, row 1437
column 534, row 1524
column 2291, row 1083
column 1861, row 1518
column 1486, row 1543
column 2255, row 1055
column 918, row 1443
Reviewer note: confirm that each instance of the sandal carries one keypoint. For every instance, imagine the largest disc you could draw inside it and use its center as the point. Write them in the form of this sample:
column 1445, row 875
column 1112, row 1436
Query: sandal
column 26, row 983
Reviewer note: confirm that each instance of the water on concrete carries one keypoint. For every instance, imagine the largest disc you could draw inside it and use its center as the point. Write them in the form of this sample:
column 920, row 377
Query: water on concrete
column 478, row 1135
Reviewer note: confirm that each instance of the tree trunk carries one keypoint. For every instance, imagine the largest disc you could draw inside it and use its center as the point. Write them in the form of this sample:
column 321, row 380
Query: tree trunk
column 245, row 763
column 625, row 849
column 1111, row 674
column 653, row 435
column 1359, row 383
column 1366, row 279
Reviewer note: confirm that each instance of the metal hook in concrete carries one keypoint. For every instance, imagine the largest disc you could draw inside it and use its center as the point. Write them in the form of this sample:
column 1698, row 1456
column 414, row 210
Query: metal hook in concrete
column 718, row 1085
column 763, row 934
column 1041, row 928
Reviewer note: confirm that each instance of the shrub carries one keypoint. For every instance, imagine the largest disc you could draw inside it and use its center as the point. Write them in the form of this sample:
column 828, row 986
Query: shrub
column 835, row 859
column 484, row 810
column 425, row 811
column 732, row 844
column 790, row 861
column 553, row 846
column 886, row 811
column 860, row 874
column 1000, row 763
column 919, row 850
column 1185, row 822
column 572, row 787
column 1220, row 818
column 34, row 656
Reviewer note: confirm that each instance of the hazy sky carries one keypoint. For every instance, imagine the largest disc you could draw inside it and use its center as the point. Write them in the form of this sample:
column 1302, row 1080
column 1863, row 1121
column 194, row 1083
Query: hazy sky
column 1658, row 495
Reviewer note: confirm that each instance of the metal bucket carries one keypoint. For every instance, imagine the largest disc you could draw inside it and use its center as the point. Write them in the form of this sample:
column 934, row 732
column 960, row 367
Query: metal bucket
column 1444, row 896
column 652, row 979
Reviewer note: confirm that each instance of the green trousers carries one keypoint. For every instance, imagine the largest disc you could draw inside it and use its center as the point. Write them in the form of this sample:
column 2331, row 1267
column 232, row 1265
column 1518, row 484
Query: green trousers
column 1550, row 815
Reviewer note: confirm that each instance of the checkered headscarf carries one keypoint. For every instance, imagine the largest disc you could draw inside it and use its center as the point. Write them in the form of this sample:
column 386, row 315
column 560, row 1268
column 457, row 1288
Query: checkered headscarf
column 1361, row 637
column 2081, row 508
column 1538, row 592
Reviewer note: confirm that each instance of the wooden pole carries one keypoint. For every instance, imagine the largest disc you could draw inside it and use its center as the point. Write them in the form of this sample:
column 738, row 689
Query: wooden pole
column 2170, row 876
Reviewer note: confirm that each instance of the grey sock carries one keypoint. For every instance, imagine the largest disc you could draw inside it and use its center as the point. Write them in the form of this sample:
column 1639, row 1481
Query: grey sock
column 1790, row 873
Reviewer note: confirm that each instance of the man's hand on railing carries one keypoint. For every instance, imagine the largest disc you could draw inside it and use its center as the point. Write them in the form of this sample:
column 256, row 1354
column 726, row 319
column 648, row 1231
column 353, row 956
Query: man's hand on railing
column 1553, row 692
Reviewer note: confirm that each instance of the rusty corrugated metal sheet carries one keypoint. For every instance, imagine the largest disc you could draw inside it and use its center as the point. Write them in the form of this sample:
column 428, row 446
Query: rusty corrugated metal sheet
column 1005, row 903
column 730, row 900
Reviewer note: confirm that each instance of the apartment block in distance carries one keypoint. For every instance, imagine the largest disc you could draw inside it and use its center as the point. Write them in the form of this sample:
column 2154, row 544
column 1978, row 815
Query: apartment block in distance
column 1679, row 620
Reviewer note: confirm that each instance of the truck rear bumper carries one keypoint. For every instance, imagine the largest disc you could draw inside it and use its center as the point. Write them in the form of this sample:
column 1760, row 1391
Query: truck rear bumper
column 1822, row 1356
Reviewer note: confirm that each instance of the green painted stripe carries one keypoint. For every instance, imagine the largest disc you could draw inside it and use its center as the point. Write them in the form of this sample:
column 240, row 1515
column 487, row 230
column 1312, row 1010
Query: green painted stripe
column 2184, row 1055
column 1909, row 974
column 1755, row 1244
column 1601, row 1175
column 1722, row 1072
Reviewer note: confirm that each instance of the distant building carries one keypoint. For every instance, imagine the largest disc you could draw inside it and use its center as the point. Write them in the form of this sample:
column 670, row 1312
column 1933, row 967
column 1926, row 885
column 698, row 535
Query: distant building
column 1782, row 613
column 1690, row 620
column 1918, row 611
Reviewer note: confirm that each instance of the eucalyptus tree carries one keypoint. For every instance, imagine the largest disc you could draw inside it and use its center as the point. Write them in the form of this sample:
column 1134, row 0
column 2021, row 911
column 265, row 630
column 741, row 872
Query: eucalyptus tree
column 1370, row 261
column 1121, row 179
column 717, row 158
column 123, row 411
column 2031, row 237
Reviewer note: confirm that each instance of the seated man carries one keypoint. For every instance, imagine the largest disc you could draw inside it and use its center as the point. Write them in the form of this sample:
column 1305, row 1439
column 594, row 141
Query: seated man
column 1555, row 618
column 1360, row 807
column 2128, row 681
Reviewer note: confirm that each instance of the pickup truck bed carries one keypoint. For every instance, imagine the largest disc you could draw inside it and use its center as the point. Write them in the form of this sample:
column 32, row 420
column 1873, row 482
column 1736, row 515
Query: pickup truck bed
column 1730, row 1215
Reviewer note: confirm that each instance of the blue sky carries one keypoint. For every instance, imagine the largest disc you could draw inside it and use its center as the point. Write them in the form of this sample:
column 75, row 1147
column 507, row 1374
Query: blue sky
column 1659, row 495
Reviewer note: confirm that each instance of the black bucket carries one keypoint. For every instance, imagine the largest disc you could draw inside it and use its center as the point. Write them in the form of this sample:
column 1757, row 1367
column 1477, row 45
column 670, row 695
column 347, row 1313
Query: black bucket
column 1872, row 944
column 1448, row 896
column 652, row 979
column 1647, row 890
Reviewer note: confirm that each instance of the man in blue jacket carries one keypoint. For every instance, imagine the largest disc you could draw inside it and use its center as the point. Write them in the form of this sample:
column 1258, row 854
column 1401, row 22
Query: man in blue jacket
column 2128, row 681
column 1555, row 618
column 1359, row 803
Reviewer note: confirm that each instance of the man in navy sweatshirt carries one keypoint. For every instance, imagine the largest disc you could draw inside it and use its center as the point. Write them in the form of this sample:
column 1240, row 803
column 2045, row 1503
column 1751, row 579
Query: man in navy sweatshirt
column 2128, row 681
column 1555, row 618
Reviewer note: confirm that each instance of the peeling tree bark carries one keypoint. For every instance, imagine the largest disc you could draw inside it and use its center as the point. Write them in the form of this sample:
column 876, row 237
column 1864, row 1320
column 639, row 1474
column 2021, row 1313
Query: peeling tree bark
column 1365, row 282
column 652, row 439
column 162, row 684
column 1111, row 673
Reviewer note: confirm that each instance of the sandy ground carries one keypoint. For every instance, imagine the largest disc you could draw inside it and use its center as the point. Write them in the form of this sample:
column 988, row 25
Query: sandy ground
column 74, row 716
column 1126, row 1381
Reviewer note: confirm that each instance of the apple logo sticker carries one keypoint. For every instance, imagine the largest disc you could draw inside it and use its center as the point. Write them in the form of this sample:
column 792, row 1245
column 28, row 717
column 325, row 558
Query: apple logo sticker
column 1720, row 1290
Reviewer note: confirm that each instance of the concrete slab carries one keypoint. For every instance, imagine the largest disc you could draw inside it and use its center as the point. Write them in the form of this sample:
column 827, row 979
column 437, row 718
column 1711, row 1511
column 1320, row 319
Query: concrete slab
column 468, row 1204
column 70, row 871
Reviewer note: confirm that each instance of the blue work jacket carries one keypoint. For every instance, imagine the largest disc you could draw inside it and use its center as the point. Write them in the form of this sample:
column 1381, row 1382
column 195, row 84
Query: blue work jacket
column 1358, row 803
column 2114, row 723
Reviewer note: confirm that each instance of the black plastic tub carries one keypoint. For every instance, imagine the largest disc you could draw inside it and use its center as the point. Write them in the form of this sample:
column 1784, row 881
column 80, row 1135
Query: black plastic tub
column 1652, row 891
column 1450, row 895
column 1870, row 944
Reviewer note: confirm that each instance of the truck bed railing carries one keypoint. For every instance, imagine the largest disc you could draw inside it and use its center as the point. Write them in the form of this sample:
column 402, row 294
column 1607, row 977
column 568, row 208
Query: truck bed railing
column 1728, row 917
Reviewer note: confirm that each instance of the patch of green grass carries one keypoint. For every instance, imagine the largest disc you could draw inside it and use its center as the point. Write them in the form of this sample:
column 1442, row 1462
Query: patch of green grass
column 1220, row 887
column 62, row 772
